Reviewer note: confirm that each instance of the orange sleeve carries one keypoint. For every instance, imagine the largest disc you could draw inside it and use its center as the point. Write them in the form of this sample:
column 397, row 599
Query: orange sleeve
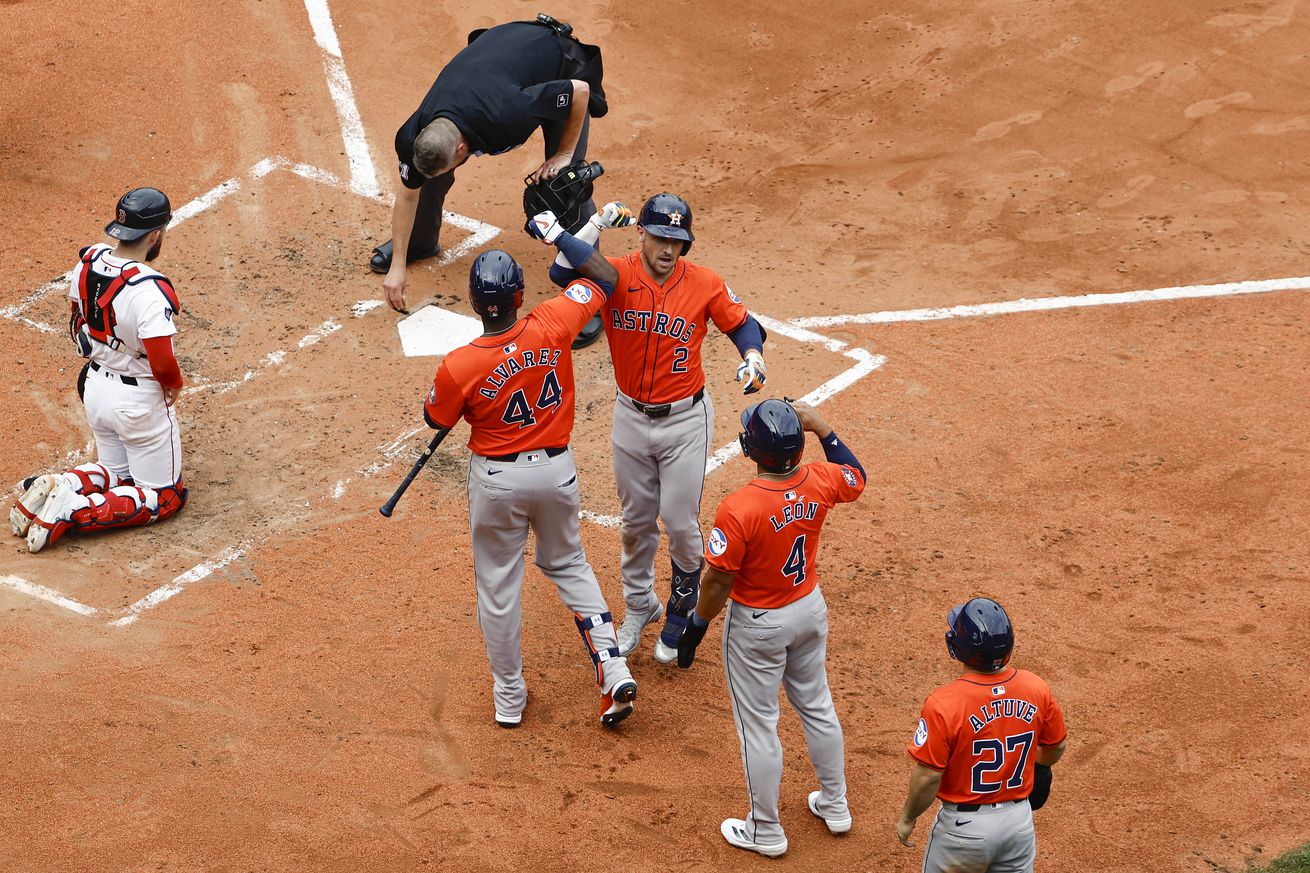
column 562, row 317
column 725, row 307
column 725, row 547
column 932, row 741
column 1053, row 730
column 841, row 483
column 445, row 403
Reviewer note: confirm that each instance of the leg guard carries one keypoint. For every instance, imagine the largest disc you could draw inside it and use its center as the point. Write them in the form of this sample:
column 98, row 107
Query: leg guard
column 93, row 479
column 686, row 591
column 598, row 656
column 130, row 506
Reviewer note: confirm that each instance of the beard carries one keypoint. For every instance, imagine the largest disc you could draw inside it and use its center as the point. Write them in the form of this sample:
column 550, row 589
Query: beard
column 155, row 249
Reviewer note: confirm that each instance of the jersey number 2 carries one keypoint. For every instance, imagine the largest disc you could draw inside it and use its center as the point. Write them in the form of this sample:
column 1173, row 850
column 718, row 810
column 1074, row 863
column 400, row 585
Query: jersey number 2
column 517, row 410
column 996, row 760
column 795, row 565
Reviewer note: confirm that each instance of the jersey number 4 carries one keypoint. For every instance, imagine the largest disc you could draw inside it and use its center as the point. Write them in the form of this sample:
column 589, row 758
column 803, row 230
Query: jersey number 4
column 998, row 755
column 795, row 564
column 518, row 411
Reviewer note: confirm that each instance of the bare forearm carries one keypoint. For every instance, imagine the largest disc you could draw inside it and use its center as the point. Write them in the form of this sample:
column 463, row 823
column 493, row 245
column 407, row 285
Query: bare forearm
column 403, row 212
column 568, row 142
column 715, row 587
column 924, row 784
column 1048, row 755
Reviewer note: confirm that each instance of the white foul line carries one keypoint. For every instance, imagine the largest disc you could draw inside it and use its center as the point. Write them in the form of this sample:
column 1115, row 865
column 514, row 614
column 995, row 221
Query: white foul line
column 363, row 178
column 1041, row 304
column 164, row 592
column 49, row 595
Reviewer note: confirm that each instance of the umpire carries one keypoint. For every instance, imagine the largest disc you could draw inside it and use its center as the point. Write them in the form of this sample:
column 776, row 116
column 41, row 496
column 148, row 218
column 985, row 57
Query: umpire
column 490, row 98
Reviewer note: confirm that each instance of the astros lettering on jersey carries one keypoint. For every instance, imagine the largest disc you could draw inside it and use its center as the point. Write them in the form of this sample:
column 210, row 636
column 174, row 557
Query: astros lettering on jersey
column 768, row 532
column 655, row 332
column 982, row 732
column 516, row 389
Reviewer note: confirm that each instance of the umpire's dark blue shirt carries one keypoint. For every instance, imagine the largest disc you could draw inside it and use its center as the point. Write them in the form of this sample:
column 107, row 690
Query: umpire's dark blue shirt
column 498, row 90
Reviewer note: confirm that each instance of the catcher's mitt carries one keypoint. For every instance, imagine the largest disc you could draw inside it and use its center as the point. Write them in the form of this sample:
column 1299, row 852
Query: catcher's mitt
column 565, row 195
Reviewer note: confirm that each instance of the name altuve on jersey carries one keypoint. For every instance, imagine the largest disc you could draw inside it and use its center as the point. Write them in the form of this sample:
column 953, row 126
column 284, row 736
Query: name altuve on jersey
column 525, row 359
column 1006, row 707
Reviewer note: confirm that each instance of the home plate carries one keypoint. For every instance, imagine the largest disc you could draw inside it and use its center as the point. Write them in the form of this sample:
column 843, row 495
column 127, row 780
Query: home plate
column 436, row 331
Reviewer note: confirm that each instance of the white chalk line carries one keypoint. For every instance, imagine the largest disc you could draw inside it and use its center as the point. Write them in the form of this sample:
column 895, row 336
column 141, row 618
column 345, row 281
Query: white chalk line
column 363, row 176
column 49, row 595
column 1044, row 304
column 165, row 592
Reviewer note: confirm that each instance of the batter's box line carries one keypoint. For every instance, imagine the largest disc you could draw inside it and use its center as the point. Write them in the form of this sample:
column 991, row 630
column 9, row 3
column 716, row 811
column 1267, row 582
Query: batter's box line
column 124, row 617
column 479, row 232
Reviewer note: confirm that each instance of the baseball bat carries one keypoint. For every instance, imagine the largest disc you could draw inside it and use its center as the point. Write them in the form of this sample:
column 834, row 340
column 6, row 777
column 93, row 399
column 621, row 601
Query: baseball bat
column 390, row 506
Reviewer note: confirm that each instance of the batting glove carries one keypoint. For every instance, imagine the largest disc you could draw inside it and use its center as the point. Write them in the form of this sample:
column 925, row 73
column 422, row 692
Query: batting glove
column 545, row 227
column 612, row 214
column 692, row 634
column 752, row 373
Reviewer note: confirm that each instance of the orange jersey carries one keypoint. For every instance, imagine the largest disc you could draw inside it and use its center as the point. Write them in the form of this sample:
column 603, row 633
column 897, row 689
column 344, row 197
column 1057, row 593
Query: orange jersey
column 515, row 389
column 983, row 733
column 768, row 532
column 655, row 332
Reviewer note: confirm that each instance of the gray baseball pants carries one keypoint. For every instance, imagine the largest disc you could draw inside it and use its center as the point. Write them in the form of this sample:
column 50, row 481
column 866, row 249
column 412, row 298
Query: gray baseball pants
column 996, row 838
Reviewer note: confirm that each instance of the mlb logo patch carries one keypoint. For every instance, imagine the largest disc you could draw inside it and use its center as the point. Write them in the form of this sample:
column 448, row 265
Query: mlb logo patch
column 998, row 690
column 510, row 349
column 789, row 496
column 849, row 475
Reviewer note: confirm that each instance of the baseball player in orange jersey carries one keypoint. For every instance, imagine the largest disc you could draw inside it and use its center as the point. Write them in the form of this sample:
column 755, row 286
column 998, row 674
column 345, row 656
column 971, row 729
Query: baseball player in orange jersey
column 514, row 386
column 656, row 320
column 122, row 321
column 984, row 745
column 761, row 555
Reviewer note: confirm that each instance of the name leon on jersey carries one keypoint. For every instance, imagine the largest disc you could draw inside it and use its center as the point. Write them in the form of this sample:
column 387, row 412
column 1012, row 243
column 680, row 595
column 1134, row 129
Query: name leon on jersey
column 516, row 364
column 798, row 511
column 677, row 328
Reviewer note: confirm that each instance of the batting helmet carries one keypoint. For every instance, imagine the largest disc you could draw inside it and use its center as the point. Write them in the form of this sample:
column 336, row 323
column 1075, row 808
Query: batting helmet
column 980, row 636
column 495, row 281
column 773, row 436
column 668, row 216
column 139, row 211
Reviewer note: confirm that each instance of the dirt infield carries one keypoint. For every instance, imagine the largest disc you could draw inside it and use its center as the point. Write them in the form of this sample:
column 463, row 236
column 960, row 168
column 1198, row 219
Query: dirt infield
column 1128, row 479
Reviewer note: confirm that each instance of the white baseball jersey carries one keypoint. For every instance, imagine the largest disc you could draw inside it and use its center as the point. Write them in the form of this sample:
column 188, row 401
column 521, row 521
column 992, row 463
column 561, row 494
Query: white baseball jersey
column 141, row 309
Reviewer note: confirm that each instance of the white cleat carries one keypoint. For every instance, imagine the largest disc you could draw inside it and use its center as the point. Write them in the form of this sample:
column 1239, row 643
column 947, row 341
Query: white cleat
column 629, row 632
column 664, row 654
column 31, row 503
column 734, row 831
column 836, row 825
column 56, row 517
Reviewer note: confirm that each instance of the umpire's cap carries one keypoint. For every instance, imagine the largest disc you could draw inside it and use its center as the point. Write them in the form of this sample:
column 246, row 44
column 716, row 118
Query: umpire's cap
column 669, row 216
column 140, row 211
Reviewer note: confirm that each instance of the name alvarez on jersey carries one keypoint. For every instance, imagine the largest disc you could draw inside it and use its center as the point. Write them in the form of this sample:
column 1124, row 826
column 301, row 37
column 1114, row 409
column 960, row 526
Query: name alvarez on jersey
column 526, row 359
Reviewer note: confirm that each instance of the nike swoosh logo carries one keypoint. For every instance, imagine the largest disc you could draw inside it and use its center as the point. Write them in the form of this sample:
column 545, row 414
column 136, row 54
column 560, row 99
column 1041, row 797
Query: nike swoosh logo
column 958, row 823
column 494, row 472
column 758, row 614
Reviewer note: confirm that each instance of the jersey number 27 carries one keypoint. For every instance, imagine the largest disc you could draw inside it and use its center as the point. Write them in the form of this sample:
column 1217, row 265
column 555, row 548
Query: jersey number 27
column 998, row 755
column 517, row 410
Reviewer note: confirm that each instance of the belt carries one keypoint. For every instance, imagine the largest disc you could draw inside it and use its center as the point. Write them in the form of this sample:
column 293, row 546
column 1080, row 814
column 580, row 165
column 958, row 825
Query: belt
column 974, row 807
column 661, row 410
column 126, row 380
column 553, row 452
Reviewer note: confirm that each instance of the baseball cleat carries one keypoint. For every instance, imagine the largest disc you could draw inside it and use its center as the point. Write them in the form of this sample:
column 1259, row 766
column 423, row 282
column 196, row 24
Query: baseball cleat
column 380, row 262
column 734, row 831
column 618, row 703
column 663, row 653
column 836, row 825
column 629, row 632
column 666, row 647
column 509, row 721
column 55, row 518
column 36, row 490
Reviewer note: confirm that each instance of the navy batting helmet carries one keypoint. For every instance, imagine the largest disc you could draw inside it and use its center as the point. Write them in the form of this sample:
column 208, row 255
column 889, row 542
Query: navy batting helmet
column 139, row 211
column 980, row 636
column 668, row 216
column 495, row 280
column 773, row 436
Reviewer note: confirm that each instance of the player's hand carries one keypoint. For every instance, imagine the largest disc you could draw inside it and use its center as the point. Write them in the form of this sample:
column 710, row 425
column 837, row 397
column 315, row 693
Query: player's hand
column 394, row 286
column 550, row 168
column 171, row 395
column 545, row 227
column 752, row 373
column 612, row 214
column 810, row 418
column 903, row 830
column 692, row 634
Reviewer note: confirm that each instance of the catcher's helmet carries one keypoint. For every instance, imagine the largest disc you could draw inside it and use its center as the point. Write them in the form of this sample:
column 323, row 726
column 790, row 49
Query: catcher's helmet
column 139, row 211
column 495, row 280
column 773, row 436
column 668, row 216
column 980, row 636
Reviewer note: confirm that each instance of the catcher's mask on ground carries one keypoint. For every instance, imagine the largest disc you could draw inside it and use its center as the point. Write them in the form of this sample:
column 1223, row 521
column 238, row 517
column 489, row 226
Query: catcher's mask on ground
column 668, row 216
column 495, row 284
column 980, row 635
column 772, row 436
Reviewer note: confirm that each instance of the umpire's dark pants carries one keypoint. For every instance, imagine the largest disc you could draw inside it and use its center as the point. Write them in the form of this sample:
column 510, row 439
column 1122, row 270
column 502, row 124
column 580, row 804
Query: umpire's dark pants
column 432, row 196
